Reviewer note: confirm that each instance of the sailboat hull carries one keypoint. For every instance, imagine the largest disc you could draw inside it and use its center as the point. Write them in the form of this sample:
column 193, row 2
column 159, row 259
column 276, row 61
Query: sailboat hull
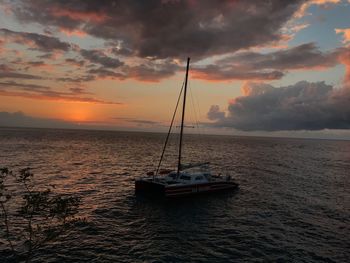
column 150, row 187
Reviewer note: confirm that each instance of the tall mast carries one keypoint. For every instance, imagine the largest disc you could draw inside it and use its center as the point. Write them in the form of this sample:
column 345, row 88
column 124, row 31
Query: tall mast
column 183, row 118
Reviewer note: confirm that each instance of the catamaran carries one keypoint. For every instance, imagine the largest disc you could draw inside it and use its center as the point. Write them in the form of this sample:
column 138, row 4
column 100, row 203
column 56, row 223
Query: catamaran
column 189, row 179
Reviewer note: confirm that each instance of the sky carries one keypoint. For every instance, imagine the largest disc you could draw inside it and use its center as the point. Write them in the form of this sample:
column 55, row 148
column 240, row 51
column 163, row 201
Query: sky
column 264, row 68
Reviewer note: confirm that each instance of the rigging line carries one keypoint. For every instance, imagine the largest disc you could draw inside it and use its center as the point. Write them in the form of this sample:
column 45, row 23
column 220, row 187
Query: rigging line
column 171, row 125
column 195, row 112
column 192, row 116
column 199, row 115
column 200, row 129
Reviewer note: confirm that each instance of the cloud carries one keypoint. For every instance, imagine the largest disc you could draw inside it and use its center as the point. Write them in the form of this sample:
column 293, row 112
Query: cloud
column 167, row 29
column 7, row 74
column 37, row 41
column 19, row 119
column 144, row 122
column 323, row 3
column 2, row 48
column 215, row 113
column 30, row 87
column 75, row 62
column 38, row 92
column 268, row 66
column 151, row 35
column 105, row 73
column 98, row 57
column 73, row 32
column 27, row 65
column 79, row 90
column 76, row 79
column 303, row 106
column 139, row 122
column 152, row 71
column 345, row 59
column 345, row 32
column 225, row 73
column 119, row 50
column 55, row 96
column 305, row 56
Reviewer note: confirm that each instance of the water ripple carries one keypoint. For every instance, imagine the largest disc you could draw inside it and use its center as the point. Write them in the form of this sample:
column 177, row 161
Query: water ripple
column 293, row 204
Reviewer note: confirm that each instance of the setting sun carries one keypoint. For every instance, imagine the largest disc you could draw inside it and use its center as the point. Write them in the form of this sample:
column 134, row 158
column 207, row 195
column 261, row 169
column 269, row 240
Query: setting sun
column 76, row 112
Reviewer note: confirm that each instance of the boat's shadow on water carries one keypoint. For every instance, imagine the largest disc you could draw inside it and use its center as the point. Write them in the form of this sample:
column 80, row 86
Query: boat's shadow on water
column 191, row 199
column 183, row 206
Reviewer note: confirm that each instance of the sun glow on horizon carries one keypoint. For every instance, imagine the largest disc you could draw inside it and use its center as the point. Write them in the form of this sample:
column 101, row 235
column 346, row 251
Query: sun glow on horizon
column 77, row 113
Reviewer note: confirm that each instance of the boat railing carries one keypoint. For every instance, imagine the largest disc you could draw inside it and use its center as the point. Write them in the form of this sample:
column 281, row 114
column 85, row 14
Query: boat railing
column 194, row 165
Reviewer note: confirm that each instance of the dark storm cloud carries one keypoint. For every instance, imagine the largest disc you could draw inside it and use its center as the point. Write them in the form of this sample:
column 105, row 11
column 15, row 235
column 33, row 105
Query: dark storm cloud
column 98, row 57
column 152, row 70
column 268, row 66
column 36, row 41
column 164, row 29
column 303, row 106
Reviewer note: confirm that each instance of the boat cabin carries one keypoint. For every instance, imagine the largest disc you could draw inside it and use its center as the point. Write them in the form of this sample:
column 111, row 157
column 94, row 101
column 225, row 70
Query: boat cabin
column 187, row 177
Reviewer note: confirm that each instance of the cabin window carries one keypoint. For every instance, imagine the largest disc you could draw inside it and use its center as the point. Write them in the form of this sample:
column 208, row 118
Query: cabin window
column 199, row 178
column 185, row 177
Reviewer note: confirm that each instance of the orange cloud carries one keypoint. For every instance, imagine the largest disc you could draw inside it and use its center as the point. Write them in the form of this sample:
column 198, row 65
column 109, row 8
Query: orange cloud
column 345, row 59
column 345, row 32
column 254, row 88
column 2, row 44
column 302, row 10
column 79, row 15
column 74, row 32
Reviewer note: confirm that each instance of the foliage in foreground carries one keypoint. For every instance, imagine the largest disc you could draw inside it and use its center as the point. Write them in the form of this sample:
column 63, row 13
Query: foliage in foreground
column 31, row 217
